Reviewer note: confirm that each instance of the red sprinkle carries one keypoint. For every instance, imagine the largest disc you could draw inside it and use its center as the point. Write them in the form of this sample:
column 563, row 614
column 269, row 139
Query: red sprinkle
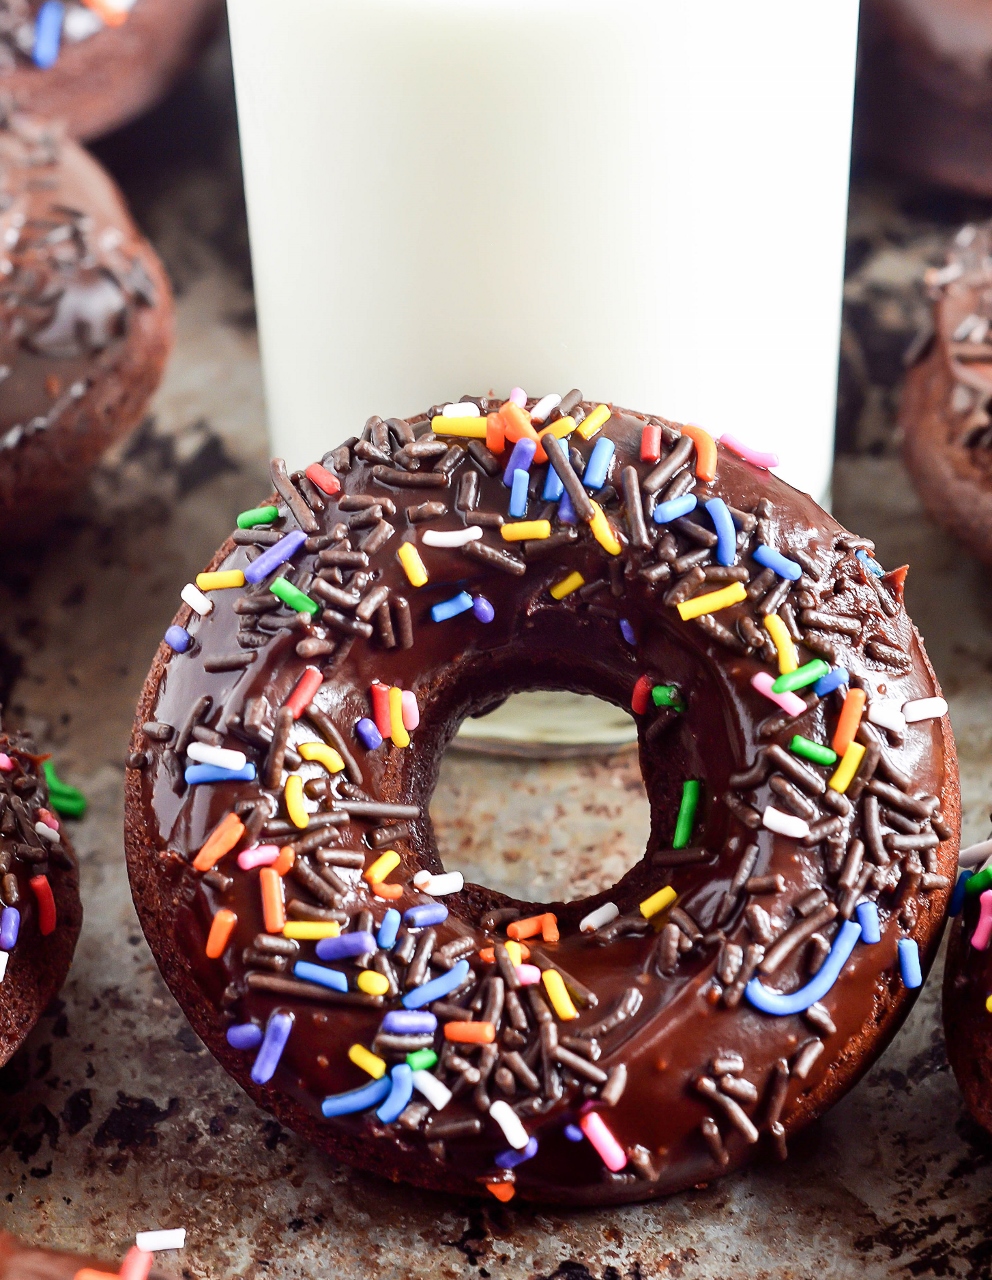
column 380, row 708
column 641, row 697
column 42, row 891
column 301, row 697
column 650, row 444
column 326, row 481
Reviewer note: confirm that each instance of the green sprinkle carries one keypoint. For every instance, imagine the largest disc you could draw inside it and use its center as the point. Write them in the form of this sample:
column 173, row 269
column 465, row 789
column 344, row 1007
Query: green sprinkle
column 687, row 813
column 257, row 515
column 979, row 882
column 64, row 799
column 814, row 751
column 667, row 695
column 422, row 1060
column 809, row 673
column 294, row 597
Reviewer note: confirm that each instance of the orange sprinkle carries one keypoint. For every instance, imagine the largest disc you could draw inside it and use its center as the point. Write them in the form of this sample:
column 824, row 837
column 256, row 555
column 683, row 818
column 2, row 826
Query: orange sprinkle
column 488, row 954
column 91, row 1273
column 705, row 451
column 549, row 927
column 504, row 1191
column 495, row 433
column 517, row 425
column 220, row 933
column 531, row 927
column 273, row 903
column 221, row 840
column 112, row 15
column 470, row 1032
column 849, row 720
column 383, row 890
column 286, row 861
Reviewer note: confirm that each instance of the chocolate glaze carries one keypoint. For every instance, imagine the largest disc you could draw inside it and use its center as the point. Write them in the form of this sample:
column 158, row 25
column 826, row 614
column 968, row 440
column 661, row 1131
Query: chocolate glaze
column 674, row 1135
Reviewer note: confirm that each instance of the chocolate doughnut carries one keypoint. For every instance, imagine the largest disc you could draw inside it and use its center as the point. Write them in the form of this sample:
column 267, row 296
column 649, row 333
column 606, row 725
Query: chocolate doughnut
column 801, row 774
column 944, row 414
column 85, row 322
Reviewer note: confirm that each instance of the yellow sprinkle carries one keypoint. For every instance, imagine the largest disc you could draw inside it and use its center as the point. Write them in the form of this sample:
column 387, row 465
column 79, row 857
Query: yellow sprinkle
column 514, row 952
column 988, row 1004
column 372, row 983
column 589, row 426
column 474, row 428
column 382, row 866
column 560, row 999
column 562, row 428
column 310, row 930
column 658, row 902
column 397, row 729
column 776, row 628
column 712, row 601
column 602, row 530
column 850, row 762
column 526, row 529
column 366, row 1060
column 323, row 754
column 293, row 796
column 413, row 566
column 567, row 585
column 218, row 581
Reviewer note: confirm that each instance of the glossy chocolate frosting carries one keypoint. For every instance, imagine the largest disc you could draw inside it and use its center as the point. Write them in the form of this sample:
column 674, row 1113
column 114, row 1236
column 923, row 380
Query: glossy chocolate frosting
column 710, row 1081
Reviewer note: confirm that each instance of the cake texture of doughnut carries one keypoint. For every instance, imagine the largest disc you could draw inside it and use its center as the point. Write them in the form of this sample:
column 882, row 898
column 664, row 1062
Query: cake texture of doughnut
column 40, row 912
column 97, row 64
column 85, row 322
column 793, row 742
column 945, row 410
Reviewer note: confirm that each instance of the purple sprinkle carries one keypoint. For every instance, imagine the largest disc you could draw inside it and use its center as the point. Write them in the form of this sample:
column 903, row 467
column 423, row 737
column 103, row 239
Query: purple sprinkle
column 10, row 923
column 566, row 512
column 573, row 1133
column 246, row 1035
column 482, row 609
column 368, row 735
column 348, row 944
column 429, row 913
column 273, row 557
column 627, row 631
column 276, row 1034
column 520, row 459
column 178, row 638
column 510, row 1159
column 409, row 1022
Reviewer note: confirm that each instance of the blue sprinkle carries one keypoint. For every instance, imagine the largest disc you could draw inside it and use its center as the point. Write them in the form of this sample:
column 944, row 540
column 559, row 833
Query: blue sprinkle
column 388, row 930
column 345, row 945
column 482, row 609
column 460, row 603
column 246, row 1035
column 196, row 773
column 276, row 1034
column 831, row 681
column 368, row 735
column 10, row 924
column 598, row 466
column 871, row 565
column 957, row 897
column 510, row 1159
column 573, row 1133
column 333, row 979
column 867, row 914
column 818, row 986
column 909, row 963
column 674, row 507
column 422, row 916
column 346, row 1104
column 518, row 494
column 274, row 556
column 409, row 1022
column 178, row 639
column 566, row 512
column 437, row 988
column 553, row 487
column 726, row 533
column 400, row 1093
column 520, row 459
column 774, row 560
column 48, row 33
column 627, row 631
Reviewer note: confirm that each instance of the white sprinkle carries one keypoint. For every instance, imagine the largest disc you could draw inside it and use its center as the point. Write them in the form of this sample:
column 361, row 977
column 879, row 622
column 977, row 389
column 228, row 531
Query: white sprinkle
column 451, row 537
column 197, row 601
column 438, row 886
column 965, row 236
column 887, row 713
column 924, row 709
column 596, row 919
column 508, row 1120
column 975, row 854
column 4, row 957
column 461, row 410
column 222, row 757
column 46, row 832
column 544, row 406
column 785, row 824
column 964, row 329
column 80, row 23
column 436, row 1093
column 157, row 1241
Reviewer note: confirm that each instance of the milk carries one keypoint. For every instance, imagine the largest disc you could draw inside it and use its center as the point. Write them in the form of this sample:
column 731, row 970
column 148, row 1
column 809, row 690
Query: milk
column 645, row 199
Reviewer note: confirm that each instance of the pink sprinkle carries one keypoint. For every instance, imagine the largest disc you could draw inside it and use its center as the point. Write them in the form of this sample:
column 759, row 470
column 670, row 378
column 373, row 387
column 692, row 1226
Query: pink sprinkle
column 6, row 764
column 519, row 397
column 49, row 819
column 529, row 974
column 764, row 460
column 411, row 712
column 790, row 703
column 610, row 1151
column 983, row 930
column 136, row 1265
column 262, row 855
